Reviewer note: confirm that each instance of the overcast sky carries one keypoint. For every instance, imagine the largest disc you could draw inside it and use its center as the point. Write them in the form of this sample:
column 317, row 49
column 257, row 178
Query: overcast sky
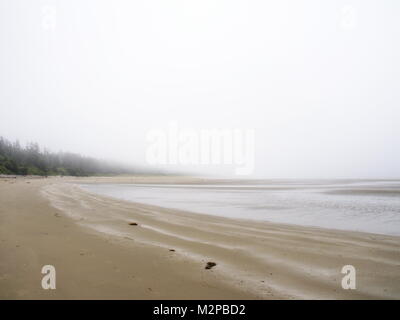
column 318, row 81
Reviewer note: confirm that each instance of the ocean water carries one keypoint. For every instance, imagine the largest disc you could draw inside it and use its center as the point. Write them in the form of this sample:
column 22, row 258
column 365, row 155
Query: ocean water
column 369, row 206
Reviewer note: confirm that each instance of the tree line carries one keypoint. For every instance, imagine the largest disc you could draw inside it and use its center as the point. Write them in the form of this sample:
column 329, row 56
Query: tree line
column 32, row 160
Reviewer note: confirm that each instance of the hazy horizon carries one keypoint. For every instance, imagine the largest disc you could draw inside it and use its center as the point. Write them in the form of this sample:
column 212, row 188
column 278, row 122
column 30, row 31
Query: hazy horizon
column 317, row 82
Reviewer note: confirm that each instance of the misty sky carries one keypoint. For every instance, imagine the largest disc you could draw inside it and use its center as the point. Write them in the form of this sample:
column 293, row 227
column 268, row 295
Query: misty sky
column 318, row 81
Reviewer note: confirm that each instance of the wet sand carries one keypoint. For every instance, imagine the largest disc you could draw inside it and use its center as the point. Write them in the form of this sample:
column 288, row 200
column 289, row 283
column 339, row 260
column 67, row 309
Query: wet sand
column 99, row 252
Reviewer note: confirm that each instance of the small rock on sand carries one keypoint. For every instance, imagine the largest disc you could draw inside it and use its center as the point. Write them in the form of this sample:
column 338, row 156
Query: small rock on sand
column 210, row 265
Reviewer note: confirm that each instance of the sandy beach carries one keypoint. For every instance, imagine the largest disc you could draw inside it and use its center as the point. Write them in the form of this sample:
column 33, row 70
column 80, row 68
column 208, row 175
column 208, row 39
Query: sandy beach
column 104, row 248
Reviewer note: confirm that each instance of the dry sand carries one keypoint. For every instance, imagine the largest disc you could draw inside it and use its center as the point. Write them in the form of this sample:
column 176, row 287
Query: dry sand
column 99, row 255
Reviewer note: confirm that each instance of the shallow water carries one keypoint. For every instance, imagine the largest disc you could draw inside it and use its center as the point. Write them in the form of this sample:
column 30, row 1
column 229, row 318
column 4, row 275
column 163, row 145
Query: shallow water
column 370, row 206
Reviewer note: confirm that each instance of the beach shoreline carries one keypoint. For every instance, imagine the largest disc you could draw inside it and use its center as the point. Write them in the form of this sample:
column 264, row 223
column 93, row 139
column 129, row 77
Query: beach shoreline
column 99, row 252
